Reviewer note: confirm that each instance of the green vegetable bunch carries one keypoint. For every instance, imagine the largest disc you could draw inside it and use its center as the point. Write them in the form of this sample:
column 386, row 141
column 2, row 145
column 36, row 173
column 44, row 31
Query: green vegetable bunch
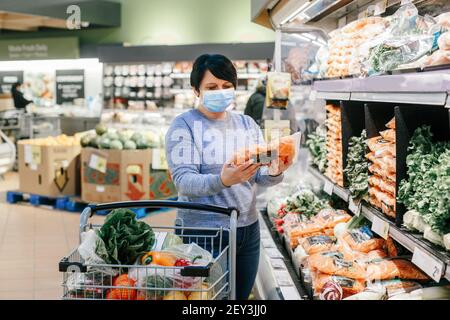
column 123, row 238
column 317, row 145
column 357, row 166
column 427, row 189
column 306, row 203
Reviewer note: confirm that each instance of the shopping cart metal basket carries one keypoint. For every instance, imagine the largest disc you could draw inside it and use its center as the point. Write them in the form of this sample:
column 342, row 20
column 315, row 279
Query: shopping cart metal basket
column 214, row 281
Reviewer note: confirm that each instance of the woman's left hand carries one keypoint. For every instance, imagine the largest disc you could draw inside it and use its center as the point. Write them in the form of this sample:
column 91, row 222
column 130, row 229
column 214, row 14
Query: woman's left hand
column 277, row 167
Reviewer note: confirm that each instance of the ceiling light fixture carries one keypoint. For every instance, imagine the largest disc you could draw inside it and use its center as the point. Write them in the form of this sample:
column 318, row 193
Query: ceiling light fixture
column 294, row 14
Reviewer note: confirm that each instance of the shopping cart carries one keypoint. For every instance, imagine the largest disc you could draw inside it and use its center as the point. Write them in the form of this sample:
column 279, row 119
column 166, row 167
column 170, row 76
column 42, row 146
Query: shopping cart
column 215, row 281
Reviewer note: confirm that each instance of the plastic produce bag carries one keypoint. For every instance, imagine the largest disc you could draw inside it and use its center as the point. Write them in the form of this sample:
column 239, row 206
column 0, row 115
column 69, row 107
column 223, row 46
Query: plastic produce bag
column 381, row 147
column 439, row 57
column 394, row 268
column 333, row 263
column 363, row 240
column 394, row 287
column 87, row 250
column 444, row 41
column 443, row 20
column 86, row 285
column 170, row 277
column 316, row 244
column 349, row 286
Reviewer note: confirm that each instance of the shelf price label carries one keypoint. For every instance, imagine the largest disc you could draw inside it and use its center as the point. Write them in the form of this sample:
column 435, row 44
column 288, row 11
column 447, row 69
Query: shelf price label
column 380, row 227
column 354, row 206
column 429, row 264
column 328, row 187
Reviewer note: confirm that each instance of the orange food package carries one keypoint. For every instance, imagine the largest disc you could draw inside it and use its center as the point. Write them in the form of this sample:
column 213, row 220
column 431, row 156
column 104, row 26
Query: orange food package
column 304, row 229
column 319, row 243
column 329, row 218
column 363, row 240
column 391, row 124
column 381, row 147
column 385, row 186
column 284, row 149
column 394, row 268
column 349, row 286
column 386, row 199
column 385, row 174
column 333, row 263
column 388, row 135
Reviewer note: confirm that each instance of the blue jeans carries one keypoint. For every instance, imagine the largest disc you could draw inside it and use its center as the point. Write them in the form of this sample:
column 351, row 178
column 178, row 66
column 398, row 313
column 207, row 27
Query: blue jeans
column 247, row 255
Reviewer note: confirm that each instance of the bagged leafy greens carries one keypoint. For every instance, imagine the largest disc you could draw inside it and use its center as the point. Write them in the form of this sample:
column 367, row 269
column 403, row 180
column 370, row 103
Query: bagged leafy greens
column 316, row 144
column 122, row 238
column 357, row 166
column 427, row 189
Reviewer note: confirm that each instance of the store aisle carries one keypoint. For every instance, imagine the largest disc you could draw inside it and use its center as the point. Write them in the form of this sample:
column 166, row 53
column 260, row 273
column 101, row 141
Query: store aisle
column 33, row 240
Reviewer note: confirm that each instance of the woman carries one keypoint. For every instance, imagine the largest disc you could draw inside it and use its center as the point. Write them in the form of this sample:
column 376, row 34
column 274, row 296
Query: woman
column 199, row 146
column 19, row 100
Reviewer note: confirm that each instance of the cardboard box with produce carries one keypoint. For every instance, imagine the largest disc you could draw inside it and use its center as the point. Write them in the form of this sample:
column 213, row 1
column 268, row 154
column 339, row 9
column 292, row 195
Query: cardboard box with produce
column 50, row 166
column 117, row 166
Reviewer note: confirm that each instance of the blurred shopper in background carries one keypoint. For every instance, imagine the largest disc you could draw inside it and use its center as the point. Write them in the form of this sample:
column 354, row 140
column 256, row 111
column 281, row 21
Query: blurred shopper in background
column 19, row 100
column 256, row 102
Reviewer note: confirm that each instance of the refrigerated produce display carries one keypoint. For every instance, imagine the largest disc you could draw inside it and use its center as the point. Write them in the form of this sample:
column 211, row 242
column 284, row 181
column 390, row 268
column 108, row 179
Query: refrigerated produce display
column 368, row 217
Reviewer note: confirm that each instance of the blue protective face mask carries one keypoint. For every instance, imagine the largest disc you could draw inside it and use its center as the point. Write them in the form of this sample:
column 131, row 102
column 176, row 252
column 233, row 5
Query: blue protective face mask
column 218, row 100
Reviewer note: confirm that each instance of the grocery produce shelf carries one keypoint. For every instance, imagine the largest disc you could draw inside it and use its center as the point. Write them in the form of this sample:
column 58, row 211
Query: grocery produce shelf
column 291, row 267
column 406, row 238
column 428, row 87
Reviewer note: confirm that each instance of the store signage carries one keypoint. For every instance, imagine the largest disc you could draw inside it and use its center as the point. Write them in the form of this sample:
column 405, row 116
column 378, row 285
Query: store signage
column 69, row 85
column 38, row 49
column 328, row 187
column 98, row 163
column 354, row 206
column 430, row 265
column 380, row 227
column 8, row 78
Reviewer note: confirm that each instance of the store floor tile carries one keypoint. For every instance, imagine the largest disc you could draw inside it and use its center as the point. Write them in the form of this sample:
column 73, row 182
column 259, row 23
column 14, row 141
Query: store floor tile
column 34, row 239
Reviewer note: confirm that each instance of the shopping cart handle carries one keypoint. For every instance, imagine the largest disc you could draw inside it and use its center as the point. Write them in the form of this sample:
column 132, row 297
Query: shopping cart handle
column 162, row 204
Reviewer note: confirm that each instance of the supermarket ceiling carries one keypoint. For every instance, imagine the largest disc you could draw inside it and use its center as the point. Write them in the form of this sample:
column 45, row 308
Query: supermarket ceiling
column 26, row 15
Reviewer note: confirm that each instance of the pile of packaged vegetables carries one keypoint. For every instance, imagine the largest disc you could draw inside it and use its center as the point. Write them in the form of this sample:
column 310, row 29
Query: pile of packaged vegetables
column 426, row 192
column 441, row 56
column 356, row 264
column 344, row 45
column 299, row 207
column 376, row 45
column 335, row 170
column 383, row 170
column 356, row 170
column 125, row 254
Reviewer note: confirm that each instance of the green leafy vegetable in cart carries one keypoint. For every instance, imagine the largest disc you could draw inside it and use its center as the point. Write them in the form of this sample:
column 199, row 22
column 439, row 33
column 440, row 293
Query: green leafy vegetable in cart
column 123, row 238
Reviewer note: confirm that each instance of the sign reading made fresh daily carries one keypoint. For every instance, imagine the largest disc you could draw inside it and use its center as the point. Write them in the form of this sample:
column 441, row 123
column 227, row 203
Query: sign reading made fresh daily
column 69, row 85
column 8, row 78
column 40, row 48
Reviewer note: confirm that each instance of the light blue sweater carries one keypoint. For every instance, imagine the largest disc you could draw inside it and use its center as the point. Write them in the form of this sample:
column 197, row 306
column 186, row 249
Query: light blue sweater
column 196, row 149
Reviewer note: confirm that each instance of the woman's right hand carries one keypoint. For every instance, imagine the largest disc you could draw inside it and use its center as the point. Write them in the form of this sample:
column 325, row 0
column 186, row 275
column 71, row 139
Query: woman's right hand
column 232, row 174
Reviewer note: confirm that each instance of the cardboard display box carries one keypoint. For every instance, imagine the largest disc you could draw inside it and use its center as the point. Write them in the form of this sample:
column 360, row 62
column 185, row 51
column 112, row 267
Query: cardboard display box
column 161, row 185
column 49, row 170
column 115, row 175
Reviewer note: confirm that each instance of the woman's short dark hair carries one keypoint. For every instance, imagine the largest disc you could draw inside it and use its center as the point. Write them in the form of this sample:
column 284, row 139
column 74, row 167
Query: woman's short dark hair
column 219, row 65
